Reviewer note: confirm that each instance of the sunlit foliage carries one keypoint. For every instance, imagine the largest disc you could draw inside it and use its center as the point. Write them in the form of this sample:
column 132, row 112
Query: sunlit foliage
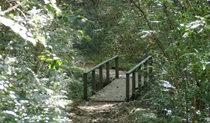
column 32, row 80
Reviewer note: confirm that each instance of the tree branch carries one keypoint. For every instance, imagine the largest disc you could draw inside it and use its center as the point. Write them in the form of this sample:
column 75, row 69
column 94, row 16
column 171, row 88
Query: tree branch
column 138, row 6
column 10, row 9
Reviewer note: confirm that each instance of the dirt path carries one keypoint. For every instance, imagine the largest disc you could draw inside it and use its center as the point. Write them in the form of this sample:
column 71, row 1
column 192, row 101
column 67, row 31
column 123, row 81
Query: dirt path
column 101, row 112
column 96, row 112
column 111, row 112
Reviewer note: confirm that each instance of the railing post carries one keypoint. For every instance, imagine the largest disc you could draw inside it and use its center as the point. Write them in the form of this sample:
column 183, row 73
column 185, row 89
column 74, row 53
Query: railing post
column 101, row 83
column 93, row 82
column 133, row 84
column 145, row 74
column 101, row 77
column 150, row 69
column 107, row 73
column 139, row 79
column 117, row 67
column 85, row 87
column 127, row 87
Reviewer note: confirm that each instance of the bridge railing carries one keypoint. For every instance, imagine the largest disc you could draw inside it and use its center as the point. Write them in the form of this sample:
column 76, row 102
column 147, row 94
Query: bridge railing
column 143, row 76
column 93, row 72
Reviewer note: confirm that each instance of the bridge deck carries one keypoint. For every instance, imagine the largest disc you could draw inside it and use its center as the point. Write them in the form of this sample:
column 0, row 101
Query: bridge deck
column 115, row 91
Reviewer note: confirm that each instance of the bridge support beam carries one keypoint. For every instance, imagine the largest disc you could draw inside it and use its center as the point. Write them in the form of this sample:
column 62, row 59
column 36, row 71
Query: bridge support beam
column 139, row 79
column 133, row 85
column 145, row 71
column 107, row 73
column 101, row 77
column 127, row 88
column 85, row 86
column 150, row 69
column 93, row 82
column 117, row 67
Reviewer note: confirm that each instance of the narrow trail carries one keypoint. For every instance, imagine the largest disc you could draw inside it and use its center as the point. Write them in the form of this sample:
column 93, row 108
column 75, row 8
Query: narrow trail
column 113, row 112
column 99, row 112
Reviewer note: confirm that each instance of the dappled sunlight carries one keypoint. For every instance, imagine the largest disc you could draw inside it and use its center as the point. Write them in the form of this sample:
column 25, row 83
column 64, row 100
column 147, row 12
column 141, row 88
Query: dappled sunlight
column 98, row 107
column 17, row 28
column 143, row 112
column 115, row 113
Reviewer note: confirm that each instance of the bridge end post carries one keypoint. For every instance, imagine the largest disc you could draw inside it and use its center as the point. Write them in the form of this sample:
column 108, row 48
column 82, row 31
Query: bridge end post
column 93, row 82
column 117, row 67
column 127, row 88
column 145, row 72
column 139, row 79
column 107, row 73
column 85, row 86
column 151, row 68
column 133, row 85
column 101, row 84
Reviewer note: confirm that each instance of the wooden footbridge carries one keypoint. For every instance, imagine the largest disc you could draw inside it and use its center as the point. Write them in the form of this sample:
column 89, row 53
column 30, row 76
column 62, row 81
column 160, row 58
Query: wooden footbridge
column 119, row 88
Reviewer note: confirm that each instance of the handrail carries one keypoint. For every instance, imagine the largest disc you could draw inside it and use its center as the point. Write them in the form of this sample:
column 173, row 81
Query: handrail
column 102, row 63
column 133, row 71
column 116, row 58
column 139, row 64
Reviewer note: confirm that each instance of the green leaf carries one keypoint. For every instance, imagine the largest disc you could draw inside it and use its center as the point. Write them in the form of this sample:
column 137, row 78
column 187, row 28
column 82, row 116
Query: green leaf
column 88, row 38
column 80, row 32
column 49, row 7
column 58, row 62
column 49, row 59
column 42, row 57
column 11, row 15
column 55, row 64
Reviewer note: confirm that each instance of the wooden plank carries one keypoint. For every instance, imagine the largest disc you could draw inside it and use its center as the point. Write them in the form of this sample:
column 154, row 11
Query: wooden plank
column 114, row 92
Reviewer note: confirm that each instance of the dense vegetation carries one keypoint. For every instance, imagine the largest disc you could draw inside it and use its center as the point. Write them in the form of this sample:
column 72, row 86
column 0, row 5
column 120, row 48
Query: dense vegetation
column 42, row 39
